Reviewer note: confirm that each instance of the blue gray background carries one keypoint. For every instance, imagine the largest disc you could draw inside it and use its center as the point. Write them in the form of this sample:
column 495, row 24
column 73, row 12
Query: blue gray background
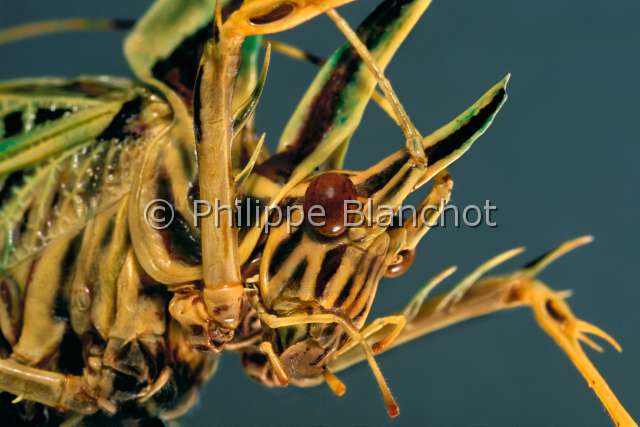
column 560, row 161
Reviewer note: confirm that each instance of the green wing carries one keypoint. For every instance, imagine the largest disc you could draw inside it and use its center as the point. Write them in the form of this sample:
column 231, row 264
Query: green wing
column 67, row 149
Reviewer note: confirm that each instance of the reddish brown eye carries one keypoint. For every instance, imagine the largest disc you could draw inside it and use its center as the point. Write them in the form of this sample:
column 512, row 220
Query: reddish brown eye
column 401, row 267
column 329, row 190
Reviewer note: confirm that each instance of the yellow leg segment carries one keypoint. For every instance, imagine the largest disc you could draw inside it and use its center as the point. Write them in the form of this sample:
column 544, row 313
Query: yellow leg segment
column 479, row 297
column 63, row 392
column 274, row 322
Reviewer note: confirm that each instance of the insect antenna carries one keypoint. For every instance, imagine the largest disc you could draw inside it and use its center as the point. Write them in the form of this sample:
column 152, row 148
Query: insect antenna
column 43, row 28
column 411, row 133
column 295, row 52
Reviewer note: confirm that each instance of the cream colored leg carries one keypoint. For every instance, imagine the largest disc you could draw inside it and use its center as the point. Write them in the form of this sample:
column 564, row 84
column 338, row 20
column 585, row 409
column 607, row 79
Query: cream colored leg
column 63, row 392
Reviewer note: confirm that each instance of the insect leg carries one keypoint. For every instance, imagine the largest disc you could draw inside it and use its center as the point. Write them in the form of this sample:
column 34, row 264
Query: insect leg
column 411, row 133
column 267, row 348
column 223, row 288
column 333, row 106
column 294, row 52
column 42, row 330
column 429, row 210
column 397, row 322
column 337, row 387
column 64, row 392
column 489, row 295
column 274, row 322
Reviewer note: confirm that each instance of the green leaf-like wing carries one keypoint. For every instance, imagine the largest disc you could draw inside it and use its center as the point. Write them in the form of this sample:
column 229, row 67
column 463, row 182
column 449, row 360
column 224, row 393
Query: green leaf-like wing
column 67, row 148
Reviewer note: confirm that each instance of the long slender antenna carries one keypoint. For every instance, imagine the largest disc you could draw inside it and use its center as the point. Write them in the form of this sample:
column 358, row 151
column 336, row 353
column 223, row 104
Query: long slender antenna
column 411, row 134
column 295, row 52
column 37, row 29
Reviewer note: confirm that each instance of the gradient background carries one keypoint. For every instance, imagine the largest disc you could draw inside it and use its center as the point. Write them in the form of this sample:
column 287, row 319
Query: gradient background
column 558, row 162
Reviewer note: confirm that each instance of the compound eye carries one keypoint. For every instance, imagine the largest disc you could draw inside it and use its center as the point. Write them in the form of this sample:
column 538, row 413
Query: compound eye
column 330, row 191
column 405, row 259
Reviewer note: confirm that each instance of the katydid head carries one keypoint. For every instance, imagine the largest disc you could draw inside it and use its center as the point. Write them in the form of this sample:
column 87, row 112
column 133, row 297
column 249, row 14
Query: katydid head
column 320, row 266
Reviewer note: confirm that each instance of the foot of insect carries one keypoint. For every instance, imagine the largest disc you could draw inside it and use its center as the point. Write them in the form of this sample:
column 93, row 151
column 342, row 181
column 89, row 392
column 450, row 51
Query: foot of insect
column 209, row 316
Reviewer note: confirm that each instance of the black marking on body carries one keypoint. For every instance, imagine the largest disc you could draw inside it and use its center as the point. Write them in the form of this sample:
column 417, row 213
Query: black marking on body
column 279, row 12
column 197, row 107
column 14, row 180
column 364, row 290
column 6, row 297
column 118, row 128
column 60, row 307
column 288, row 337
column 70, row 257
column 126, row 383
column 55, row 200
column 13, row 124
column 188, row 166
column 330, row 265
column 180, row 68
column 184, row 245
column 328, row 102
column 439, row 150
column 254, row 358
column 285, row 249
column 107, row 237
column 61, row 299
column 346, row 290
column 298, row 274
column 70, row 360
column 44, row 115
column 397, row 186
column 458, row 138
column 181, row 241
column 378, row 180
column 21, row 226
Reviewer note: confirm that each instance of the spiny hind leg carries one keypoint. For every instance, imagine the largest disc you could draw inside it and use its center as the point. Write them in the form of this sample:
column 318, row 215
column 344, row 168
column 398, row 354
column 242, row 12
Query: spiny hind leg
column 475, row 297
column 63, row 392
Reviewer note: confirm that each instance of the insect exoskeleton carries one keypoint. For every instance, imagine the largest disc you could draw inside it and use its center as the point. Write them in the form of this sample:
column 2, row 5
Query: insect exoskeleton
column 103, row 310
column 319, row 275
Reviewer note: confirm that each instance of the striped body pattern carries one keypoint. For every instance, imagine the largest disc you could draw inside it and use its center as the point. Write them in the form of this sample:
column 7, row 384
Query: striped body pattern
column 106, row 317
